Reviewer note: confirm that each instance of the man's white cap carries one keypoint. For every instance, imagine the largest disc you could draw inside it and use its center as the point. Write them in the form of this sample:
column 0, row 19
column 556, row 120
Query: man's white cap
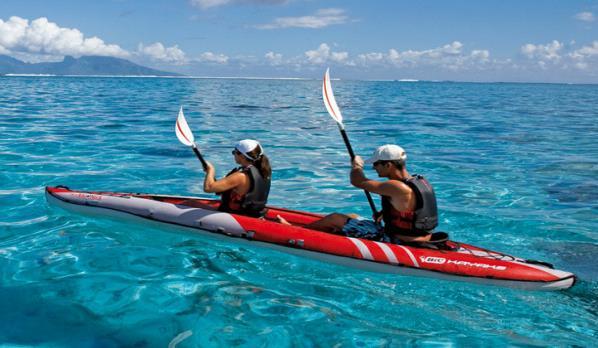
column 247, row 145
column 388, row 153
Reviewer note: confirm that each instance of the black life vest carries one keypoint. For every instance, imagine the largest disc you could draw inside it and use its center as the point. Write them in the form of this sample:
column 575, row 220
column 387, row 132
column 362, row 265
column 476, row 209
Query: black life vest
column 253, row 203
column 419, row 222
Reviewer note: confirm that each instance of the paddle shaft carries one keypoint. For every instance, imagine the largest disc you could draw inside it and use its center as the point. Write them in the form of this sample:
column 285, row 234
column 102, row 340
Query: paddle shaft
column 352, row 154
column 200, row 157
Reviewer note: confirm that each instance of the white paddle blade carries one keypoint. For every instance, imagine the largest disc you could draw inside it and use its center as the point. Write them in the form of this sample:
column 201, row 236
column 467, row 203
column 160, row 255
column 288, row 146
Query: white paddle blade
column 183, row 132
column 329, row 100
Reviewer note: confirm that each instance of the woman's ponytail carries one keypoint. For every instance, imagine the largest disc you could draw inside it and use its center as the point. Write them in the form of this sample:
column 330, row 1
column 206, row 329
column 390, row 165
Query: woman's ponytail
column 261, row 162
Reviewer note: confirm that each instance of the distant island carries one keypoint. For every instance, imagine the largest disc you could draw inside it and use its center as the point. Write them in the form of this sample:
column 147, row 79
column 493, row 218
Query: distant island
column 86, row 65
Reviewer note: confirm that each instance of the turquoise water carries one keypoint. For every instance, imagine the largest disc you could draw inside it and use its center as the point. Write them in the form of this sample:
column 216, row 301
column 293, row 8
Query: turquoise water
column 515, row 168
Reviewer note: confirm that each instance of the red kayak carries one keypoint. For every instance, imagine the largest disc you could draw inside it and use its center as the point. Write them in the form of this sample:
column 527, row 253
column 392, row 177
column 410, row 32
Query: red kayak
column 455, row 261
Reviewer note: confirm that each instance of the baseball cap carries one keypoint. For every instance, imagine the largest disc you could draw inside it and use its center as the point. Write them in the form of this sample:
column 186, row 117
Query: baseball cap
column 388, row 153
column 247, row 145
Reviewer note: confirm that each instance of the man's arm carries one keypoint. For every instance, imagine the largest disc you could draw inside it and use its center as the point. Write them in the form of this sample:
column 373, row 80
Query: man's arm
column 359, row 180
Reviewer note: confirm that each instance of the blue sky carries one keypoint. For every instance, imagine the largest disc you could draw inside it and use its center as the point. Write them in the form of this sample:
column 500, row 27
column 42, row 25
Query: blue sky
column 533, row 40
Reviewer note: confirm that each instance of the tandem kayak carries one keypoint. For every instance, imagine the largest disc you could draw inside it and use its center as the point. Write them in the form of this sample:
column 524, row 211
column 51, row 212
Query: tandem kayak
column 461, row 262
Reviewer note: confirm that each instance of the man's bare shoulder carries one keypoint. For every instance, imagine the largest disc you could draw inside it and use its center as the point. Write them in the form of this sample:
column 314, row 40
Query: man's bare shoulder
column 398, row 187
column 391, row 188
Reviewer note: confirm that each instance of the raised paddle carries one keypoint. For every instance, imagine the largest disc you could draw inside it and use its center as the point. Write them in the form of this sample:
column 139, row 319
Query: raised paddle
column 183, row 132
column 335, row 113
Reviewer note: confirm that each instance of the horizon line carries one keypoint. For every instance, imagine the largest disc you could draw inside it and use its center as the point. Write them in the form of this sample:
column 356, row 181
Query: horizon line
column 291, row 79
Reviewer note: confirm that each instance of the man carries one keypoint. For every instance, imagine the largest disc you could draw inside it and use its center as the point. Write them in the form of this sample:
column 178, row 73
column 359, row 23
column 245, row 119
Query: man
column 408, row 202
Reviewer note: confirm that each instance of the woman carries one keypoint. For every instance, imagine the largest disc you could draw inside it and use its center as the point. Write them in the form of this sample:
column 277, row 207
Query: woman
column 245, row 189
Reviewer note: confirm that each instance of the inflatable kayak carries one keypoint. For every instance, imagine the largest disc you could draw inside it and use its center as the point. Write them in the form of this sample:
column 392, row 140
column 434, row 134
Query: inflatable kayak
column 458, row 261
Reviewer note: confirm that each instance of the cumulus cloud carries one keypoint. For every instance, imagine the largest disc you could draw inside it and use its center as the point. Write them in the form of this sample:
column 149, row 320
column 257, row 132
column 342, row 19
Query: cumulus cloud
column 558, row 55
column 412, row 57
column 273, row 58
column 587, row 51
column 481, row 55
column 324, row 54
column 206, row 4
column 322, row 18
column 210, row 57
column 585, row 17
column 42, row 37
column 548, row 52
column 158, row 52
column 450, row 56
column 585, row 56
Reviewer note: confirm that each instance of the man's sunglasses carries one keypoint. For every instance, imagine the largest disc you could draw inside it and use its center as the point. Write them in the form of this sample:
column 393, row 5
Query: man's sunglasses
column 377, row 163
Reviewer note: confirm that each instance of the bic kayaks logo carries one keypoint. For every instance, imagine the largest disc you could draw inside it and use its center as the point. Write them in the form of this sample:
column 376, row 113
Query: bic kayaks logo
column 434, row 260
column 442, row 261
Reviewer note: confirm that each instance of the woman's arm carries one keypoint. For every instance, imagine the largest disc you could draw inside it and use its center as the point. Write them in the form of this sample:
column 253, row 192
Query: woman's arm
column 211, row 185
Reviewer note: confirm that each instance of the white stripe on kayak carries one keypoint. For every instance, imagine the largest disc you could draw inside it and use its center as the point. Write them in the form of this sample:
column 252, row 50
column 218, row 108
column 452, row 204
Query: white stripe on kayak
column 390, row 255
column 363, row 249
column 555, row 272
column 410, row 255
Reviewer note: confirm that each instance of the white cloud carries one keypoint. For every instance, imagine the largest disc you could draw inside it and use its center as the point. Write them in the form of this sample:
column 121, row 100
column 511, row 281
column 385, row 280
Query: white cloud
column 556, row 55
column 323, row 54
column 322, row 18
column 318, row 56
column 157, row 51
column 339, row 57
column 206, row 4
column 588, row 51
column 213, row 58
column 481, row 55
column 42, row 37
column 449, row 56
column 543, row 53
column 585, row 16
column 412, row 57
column 273, row 58
column 585, row 56
column 375, row 57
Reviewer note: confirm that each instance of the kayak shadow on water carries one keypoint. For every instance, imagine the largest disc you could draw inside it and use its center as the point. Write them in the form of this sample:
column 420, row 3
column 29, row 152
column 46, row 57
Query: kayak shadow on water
column 566, row 192
column 42, row 320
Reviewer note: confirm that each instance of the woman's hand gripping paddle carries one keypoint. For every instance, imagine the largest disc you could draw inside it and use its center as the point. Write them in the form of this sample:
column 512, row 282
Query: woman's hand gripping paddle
column 183, row 132
column 335, row 113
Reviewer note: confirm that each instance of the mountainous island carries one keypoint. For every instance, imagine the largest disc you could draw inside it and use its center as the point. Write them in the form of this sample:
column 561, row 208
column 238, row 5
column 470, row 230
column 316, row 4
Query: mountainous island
column 86, row 65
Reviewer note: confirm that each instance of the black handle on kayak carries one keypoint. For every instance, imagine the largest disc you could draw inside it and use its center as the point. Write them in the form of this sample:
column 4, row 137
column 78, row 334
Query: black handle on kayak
column 200, row 157
column 352, row 154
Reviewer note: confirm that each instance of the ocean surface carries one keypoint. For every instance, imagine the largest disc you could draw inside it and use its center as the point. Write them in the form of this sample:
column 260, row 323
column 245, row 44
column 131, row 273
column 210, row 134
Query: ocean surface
column 514, row 166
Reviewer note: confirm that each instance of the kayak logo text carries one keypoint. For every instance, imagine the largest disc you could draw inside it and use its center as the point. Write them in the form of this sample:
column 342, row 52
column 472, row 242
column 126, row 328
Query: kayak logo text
column 434, row 260
column 89, row 196
column 442, row 261
column 476, row 264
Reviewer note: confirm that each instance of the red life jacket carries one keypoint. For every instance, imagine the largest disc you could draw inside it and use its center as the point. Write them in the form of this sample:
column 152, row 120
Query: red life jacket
column 419, row 222
column 252, row 203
